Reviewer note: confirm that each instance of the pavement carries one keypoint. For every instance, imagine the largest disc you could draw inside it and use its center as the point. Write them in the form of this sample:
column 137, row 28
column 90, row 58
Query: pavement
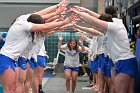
column 56, row 84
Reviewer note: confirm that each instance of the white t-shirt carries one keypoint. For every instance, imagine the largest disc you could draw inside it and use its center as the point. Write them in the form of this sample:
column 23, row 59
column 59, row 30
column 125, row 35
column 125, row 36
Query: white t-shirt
column 71, row 57
column 117, row 41
column 93, row 47
column 106, row 51
column 26, row 52
column 42, row 51
column 39, row 41
column 100, row 48
column 18, row 38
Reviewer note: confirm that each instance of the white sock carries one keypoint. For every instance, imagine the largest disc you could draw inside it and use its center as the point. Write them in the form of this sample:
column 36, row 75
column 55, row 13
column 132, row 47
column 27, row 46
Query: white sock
column 68, row 91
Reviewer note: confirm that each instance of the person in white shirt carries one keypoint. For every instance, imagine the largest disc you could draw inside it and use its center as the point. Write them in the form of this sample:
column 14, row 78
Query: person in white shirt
column 39, row 68
column 119, row 50
column 36, row 64
column 92, row 55
column 71, row 63
column 22, row 68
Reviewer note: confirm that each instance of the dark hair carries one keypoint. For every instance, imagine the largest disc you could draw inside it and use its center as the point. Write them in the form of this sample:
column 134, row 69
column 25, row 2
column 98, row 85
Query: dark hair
column 76, row 46
column 111, row 10
column 34, row 18
column 37, row 19
column 106, row 17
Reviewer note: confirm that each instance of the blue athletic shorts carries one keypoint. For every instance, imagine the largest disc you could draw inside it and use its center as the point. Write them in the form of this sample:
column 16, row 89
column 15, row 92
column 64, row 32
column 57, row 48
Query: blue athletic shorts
column 89, row 63
column 94, row 65
column 22, row 63
column 41, row 61
column 16, row 64
column 76, row 69
column 103, row 64
column 5, row 63
column 32, row 63
column 108, row 67
column 100, row 59
column 128, row 66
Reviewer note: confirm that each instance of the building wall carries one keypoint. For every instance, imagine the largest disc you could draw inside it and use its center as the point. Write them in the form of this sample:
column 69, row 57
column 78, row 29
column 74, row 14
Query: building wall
column 90, row 4
column 101, row 6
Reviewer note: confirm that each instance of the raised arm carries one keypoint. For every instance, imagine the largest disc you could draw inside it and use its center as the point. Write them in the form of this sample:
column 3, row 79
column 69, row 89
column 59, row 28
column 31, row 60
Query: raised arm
column 81, row 35
column 88, row 30
column 60, row 38
column 48, row 26
column 46, row 10
column 58, row 11
column 53, row 18
column 93, row 20
column 51, row 8
column 87, row 39
column 83, row 9
column 82, row 48
column 50, row 33
column 80, row 43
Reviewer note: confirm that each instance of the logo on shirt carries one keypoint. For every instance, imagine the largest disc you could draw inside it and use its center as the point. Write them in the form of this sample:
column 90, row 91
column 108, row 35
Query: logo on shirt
column 71, row 53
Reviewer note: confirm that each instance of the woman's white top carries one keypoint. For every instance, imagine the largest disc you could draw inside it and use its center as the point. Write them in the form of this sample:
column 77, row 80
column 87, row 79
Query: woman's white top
column 38, row 45
column 117, row 41
column 71, row 57
column 42, row 51
column 18, row 38
column 101, row 47
column 92, row 47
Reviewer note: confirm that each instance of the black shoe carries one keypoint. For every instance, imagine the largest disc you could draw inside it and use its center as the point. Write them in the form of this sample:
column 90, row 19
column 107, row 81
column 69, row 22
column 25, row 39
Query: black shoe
column 41, row 91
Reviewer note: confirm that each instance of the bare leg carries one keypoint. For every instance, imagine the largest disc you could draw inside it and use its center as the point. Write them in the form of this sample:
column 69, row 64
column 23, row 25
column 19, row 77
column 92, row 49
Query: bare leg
column 17, row 75
column 94, row 79
column 101, row 82
column 113, row 80
column 74, row 79
column 36, row 79
column 96, row 83
column 131, row 86
column 21, row 80
column 110, row 84
column 41, row 72
column 122, row 82
column 113, row 74
column 29, row 78
column 68, row 75
column 8, row 80
column 106, row 90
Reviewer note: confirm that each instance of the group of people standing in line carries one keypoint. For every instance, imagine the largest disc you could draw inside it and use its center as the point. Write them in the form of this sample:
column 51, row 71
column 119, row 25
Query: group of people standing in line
column 23, row 55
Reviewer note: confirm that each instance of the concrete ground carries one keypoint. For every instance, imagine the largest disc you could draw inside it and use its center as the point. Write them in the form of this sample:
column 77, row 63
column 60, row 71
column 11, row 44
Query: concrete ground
column 56, row 84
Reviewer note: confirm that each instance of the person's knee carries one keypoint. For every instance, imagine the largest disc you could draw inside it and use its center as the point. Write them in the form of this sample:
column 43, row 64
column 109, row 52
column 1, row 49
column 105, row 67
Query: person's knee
column 21, row 79
column 74, row 79
column 68, row 79
column 29, row 81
